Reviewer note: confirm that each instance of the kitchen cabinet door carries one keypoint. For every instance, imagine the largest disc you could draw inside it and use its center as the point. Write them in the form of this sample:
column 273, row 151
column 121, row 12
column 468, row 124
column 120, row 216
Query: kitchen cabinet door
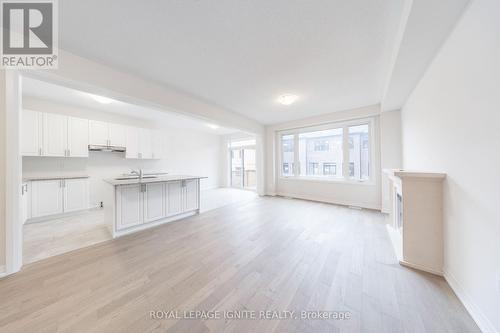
column 31, row 133
column 145, row 143
column 132, row 142
column 190, row 199
column 117, row 135
column 55, row 134
column 78, row 137
column 156, row 145
column 154, row 203
column 174, row 198
column 46, row 197
column 26, row 201
column 76, row 194
column 98, row 132
column 129, row 206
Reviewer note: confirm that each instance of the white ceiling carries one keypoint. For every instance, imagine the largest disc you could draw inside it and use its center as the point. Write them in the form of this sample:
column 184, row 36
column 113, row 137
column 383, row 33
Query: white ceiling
column 67, row 96
column 242, row 55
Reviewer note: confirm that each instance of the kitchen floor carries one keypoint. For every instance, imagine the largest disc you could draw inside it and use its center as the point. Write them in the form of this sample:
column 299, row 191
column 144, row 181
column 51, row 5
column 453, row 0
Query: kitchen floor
column 54, row 237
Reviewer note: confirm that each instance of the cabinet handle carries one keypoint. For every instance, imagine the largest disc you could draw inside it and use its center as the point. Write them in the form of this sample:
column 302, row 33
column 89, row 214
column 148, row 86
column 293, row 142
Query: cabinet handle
column 40, row 151
column 69, row 153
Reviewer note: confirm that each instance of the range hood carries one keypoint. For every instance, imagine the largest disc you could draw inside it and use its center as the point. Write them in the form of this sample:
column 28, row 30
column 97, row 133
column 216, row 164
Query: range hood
column 105, row 148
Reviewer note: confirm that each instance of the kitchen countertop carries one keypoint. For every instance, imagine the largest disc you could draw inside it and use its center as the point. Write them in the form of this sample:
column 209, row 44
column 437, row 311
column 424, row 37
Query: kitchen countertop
column 159, row 179
column 52, row 177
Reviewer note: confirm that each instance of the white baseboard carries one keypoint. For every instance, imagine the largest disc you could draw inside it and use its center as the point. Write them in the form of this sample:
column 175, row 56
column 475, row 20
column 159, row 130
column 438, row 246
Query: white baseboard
column 2, row 271
column 328, row 200
column 485, row 325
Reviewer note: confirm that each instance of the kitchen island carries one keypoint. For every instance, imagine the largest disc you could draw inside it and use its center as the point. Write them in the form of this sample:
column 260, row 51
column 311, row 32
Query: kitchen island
column 133, row 203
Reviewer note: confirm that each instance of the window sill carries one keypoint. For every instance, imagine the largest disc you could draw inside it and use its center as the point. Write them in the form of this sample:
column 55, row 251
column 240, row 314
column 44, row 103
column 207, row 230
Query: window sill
column 328, row 180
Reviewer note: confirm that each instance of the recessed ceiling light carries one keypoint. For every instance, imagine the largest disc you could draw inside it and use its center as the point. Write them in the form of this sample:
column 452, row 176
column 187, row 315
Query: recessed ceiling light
column 101, row 99
column 287, row 99
column 213, row 126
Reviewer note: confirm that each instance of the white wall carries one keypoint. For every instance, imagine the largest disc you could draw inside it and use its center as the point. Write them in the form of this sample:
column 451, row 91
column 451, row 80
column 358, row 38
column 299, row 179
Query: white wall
column 3, row 131
column 363, row 195
column 390, row 151
column 451, row 124
column 187, row 152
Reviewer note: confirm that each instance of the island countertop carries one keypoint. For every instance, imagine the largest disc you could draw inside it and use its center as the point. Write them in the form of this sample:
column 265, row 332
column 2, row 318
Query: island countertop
column 159, row 179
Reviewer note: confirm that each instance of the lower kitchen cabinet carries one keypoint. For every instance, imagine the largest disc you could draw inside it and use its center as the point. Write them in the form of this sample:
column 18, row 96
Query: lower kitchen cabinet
column 46, row 198
column 154, row 201
column 129, row 206
column 174, row 198
column 57, row 196
column 143, row 203
column 76, row 194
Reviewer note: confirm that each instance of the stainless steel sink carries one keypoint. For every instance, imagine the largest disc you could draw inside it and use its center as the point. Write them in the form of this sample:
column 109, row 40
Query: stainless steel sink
column 135, row 177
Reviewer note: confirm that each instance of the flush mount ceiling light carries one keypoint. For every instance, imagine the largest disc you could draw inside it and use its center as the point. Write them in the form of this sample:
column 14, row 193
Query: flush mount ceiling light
column 287, row 99
column 213, row 126
column 101, row 99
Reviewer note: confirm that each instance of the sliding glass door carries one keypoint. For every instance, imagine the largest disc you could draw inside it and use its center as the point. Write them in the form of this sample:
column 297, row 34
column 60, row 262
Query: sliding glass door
column 243, row 173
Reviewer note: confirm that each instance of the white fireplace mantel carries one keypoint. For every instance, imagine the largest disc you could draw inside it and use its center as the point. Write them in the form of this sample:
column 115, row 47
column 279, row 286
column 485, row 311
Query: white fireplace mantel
column 418, row 243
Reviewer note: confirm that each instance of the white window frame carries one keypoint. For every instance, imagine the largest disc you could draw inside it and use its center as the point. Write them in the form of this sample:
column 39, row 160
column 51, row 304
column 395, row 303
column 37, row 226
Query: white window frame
column 345, row 151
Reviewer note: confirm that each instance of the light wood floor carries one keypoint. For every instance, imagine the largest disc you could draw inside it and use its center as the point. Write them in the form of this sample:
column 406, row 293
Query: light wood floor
column 263, row 254
column 46, row 239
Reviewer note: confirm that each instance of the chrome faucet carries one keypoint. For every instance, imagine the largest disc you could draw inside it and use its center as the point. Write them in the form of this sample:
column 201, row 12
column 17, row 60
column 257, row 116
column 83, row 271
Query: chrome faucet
column 138, row 173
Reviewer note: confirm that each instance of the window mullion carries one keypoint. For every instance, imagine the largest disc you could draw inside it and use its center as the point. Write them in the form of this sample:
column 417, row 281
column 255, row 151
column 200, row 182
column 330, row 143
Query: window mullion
column 345, row 152
column 296, row 161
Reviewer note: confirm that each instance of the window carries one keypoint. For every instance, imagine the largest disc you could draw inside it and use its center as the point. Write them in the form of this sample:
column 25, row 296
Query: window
column 288, row 156
column 359, row 158
column 286, row 168
column 321, row 151
column 313, row 168
column 320, row 145
column 310, row 157
column 329, row 169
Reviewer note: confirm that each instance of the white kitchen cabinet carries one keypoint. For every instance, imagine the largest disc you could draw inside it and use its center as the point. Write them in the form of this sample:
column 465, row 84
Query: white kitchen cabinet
column 48, row 134
column 117, row 135
column 26, row 200
column 78, row 137
column 107, row 134
column 156, row 145
column 56, row 196
column 54, row 135
column 46, row 197
column 129, row 203
column 190, row 195
column 154, row 201
column 132, row 142
column 76, row 194
column 98, row 132
column 31, row 133
column 145, row 143
column 139, row 143
column 174, row 198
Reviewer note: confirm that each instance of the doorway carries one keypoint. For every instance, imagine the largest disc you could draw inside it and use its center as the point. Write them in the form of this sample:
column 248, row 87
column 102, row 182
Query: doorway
column 243, row 166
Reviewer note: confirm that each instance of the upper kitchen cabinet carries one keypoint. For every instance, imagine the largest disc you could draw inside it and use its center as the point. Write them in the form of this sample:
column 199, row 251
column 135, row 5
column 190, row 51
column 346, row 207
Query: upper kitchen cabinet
column 55, row 129
column 132, row 142
column 145, row 142
column 78, row 137
column 107, row 134
column 31, row 138
column 55, row 135
column 157, row 145
column 98, row 133
column 142, row 143
column 117, row 135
